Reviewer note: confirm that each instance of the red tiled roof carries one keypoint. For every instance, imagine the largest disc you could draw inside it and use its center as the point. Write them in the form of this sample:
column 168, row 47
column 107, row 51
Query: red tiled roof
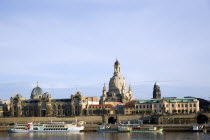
column 131, row 103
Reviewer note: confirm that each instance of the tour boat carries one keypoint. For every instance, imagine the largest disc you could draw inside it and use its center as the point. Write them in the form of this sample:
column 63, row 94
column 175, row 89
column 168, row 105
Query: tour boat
column 106, row 129
column 124, row 128
column 146, row 129
column 129, row 128
column 46, row 127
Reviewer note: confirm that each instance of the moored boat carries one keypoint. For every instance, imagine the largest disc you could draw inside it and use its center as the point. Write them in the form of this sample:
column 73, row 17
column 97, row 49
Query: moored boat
column 146, row 129
column 124, row 128
column 46, row 127
column 107, row 129
column 129, row 128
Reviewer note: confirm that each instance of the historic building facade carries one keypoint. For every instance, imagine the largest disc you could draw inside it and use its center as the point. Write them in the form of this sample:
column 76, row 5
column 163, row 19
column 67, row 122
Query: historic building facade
column 117, row 88
column 42, row 104
column 102, row 109
column 168, row 105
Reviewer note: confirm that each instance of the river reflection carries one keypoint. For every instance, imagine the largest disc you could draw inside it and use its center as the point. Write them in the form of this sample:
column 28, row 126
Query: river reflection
column 104, row 136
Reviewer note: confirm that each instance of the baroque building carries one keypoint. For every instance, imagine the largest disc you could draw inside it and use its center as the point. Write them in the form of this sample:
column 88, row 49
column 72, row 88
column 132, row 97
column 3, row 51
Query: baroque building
column 43, row 105
column 117, row 88
column 169, row 105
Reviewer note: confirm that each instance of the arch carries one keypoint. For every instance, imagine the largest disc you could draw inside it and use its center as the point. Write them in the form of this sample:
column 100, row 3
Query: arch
column 201, row 119
column 112, row 120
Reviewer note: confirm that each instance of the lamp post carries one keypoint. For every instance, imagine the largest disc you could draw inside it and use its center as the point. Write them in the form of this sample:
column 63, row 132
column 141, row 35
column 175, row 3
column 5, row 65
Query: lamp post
column 173, row 120
column 168, row 120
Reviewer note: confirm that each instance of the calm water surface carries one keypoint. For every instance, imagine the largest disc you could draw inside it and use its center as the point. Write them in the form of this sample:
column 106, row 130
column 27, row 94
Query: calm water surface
column 105, row 136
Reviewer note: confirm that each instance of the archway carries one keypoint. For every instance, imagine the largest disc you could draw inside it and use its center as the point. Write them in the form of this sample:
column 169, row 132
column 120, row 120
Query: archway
column 112, row 120
column 201, row 119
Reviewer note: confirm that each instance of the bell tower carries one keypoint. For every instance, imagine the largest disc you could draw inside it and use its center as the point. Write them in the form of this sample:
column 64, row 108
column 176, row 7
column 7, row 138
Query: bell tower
column 156, row 91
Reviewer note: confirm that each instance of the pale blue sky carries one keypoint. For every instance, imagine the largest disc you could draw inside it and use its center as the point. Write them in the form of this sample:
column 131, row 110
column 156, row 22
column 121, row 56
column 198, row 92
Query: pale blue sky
column 72, row 45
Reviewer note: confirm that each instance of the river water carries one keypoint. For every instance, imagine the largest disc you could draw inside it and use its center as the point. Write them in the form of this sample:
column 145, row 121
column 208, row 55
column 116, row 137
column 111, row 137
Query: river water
column 106, row 136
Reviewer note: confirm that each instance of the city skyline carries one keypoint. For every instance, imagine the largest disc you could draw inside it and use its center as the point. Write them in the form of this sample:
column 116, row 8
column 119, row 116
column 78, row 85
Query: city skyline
column 72, row 45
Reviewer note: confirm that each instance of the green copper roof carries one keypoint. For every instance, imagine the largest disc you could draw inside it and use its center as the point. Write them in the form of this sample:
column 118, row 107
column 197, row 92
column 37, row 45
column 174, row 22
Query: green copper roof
column 170, row 100
column 181, row 100
column 148, row 101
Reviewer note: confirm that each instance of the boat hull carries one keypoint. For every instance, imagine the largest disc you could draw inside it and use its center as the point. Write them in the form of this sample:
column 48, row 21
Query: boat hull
column 77, row 129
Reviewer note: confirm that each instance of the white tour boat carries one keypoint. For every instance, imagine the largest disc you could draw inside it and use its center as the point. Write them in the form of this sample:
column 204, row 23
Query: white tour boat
column 46, row 127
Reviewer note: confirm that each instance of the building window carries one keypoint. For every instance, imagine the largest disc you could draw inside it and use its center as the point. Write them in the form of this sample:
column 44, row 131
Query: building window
column 147, row 106
column 140, row 106
column 182, row 105
column 155, row 106
column 194, row 105
column 185, row 105
column 178, row 105
column 190, row 105
column 150, row 106
column 143, row 106
column 159, row 105
column 172, row 105
column 167, row 105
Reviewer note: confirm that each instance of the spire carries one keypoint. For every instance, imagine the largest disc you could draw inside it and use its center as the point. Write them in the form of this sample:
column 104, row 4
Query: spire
column 117, row 68
column 37, row 83
column 130, row 89
column 156, row 83
column 104, row 88
column 117, row 62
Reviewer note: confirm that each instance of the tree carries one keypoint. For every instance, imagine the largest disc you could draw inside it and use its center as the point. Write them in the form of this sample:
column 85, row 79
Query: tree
column 182, row 110
column 186, row 110
column 149, row 111
column 174, row 111
column 179, row 111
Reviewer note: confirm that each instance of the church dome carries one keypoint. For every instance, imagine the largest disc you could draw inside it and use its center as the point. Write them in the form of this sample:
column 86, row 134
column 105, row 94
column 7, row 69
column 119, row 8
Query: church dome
column 36, row 92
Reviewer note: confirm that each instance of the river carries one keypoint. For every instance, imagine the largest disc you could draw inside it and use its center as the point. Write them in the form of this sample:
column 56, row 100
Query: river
column 105, row 136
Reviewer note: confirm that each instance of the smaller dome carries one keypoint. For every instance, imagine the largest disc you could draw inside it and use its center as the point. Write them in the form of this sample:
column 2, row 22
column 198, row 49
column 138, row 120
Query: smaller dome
column 46, row 95
column 36, row 93
column 18, row 96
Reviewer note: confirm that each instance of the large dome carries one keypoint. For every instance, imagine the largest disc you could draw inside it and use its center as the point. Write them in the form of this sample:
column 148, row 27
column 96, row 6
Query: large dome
column 36, row 93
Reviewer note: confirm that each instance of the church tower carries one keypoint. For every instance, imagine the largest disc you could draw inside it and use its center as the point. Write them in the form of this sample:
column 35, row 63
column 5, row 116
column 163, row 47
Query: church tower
column 156, row 91
column 117, row 88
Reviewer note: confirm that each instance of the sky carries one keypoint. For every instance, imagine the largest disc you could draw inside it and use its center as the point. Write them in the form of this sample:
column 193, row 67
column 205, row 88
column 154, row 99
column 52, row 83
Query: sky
column 70, row 45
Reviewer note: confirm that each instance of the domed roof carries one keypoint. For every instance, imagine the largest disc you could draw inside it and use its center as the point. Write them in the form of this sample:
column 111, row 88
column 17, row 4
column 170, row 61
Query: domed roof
column 36, row 92
column 18, row 96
